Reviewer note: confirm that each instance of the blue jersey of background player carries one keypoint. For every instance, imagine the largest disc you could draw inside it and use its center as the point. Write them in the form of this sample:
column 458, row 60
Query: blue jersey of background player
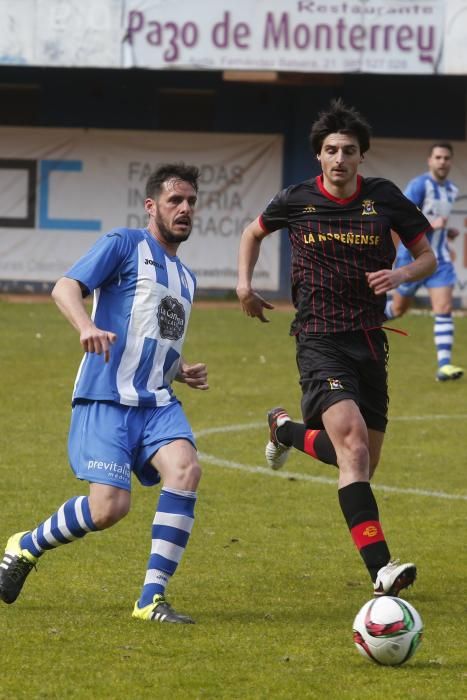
column 125, row 417
column 434, row 194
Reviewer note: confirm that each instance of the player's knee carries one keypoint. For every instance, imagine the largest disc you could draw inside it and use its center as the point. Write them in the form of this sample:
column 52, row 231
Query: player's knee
column 186, row 475
column 360, row 456
column 192, row 473
column 399, row 309
column 105, row 512
column 444, row 308
column 354, row 459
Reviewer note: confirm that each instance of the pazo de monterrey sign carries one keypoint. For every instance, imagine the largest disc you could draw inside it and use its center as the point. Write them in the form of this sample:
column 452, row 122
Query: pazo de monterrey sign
column 309, row 36
column 381, row 36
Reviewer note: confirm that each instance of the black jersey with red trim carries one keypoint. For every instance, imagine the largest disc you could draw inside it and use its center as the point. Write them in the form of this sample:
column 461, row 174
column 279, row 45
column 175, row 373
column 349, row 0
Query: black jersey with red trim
column 335, row 242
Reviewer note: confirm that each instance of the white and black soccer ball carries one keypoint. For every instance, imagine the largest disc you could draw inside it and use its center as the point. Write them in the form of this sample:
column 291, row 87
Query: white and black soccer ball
column 387, row 630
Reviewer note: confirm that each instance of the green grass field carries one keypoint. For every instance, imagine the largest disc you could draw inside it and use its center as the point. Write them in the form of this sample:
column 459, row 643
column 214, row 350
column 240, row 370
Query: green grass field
column 271, row 574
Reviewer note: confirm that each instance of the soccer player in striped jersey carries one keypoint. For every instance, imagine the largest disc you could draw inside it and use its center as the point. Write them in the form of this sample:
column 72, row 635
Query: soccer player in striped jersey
column 434, row 194
column 342, row 253
column 125, row 417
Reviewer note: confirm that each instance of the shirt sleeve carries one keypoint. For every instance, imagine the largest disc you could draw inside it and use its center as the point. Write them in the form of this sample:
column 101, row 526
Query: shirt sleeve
column 415, row 191
column 407, row 219
column 102, row 261
column 274, row 216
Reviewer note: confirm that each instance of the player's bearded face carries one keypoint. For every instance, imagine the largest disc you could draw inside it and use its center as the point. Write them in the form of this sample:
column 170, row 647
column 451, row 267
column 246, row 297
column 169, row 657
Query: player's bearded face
column 173, row 211
column 173, row 231
column 439, row 162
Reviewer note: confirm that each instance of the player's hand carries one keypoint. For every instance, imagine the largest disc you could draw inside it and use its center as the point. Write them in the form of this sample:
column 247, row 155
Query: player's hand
column 253, row 304
column 453, row 233
column 94, row 339
column 196, row 376
column 439, row 222
column 383, row 281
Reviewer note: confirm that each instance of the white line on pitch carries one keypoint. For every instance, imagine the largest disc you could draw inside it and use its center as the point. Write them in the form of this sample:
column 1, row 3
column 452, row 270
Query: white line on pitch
column 212, row 459
column 263, row 424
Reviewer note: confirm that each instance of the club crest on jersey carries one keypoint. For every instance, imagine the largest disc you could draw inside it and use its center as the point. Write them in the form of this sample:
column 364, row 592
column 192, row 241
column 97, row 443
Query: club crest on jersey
column 368, row 207
column 171, row 318
column 309, row 209
column 334, row 384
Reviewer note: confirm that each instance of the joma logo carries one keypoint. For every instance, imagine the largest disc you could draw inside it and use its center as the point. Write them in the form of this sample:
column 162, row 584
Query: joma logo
column 154, row 263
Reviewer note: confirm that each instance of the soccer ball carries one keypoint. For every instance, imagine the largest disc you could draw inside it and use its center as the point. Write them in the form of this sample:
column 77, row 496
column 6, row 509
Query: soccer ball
column 387, row 630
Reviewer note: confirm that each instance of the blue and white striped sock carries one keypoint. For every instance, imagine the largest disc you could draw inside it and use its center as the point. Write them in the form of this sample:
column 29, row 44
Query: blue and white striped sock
column 71, row 521
column 444, row 338
column 171, row 530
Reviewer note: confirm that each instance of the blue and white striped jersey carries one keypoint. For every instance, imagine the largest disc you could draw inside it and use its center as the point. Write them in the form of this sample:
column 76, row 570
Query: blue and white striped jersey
column 144, row 296
column 434, row 199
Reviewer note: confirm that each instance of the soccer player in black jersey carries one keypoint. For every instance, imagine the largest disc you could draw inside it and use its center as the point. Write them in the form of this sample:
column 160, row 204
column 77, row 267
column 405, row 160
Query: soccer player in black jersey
column 339, row 227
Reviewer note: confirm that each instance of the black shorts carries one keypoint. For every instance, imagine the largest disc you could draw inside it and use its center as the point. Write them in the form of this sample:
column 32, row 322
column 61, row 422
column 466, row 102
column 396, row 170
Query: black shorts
column 338, row 366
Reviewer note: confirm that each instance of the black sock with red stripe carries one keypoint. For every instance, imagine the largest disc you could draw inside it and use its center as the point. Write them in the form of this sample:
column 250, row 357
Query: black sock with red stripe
column 360, row 510
column 315, row 443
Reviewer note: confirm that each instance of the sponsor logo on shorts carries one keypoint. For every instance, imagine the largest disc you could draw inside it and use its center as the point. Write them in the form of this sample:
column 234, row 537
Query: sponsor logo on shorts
column 115, row 471
column 334, row 384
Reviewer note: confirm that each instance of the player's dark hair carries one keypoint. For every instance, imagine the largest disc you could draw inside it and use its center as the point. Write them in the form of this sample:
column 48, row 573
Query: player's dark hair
column 340, row 119
column 170, row 171
column 441, row 144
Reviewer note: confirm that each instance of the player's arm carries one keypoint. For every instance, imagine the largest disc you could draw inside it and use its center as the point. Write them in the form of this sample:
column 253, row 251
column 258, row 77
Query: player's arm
column 452, row 234
column 252, row 303
column 68, row 295
column 395, row 239
column 415, row 191
column 423, row 265
column 196, row 375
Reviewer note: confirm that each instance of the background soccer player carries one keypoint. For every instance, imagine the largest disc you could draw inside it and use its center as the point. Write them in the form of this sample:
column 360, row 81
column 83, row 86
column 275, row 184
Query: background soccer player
column 126, row 417
column 342, row 253
column 434, row 194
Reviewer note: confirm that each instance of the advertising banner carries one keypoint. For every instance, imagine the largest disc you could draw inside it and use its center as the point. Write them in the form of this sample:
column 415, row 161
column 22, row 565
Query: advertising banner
column 79, row 33
column 307, row 36
column 382, row 36
column 455, row 38
column 60, row 189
